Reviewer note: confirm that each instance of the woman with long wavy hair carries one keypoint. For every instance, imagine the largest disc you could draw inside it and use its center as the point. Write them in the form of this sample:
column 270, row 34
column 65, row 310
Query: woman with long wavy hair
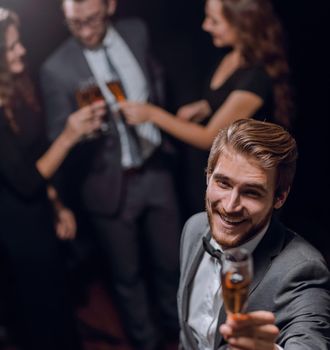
column 32, row 217
column 250, row 81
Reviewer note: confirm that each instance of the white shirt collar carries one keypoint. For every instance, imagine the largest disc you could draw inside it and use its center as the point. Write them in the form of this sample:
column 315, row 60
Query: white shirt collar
column 110, row 36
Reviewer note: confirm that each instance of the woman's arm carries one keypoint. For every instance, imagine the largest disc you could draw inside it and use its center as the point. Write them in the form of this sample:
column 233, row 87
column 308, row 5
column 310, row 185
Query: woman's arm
column 80, row 123
column 194, row 111
column 238, row 105
column 28, row 178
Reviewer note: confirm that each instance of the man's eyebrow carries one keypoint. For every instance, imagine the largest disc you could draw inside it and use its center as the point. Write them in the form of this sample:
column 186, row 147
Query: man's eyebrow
column 74, row 18
column 219, row 176
column 256, row 186
column 247, row 185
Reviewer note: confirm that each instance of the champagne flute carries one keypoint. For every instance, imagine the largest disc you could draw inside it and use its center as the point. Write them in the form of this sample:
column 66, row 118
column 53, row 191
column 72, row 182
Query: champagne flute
column 116, row 89
column 89, row 92
column 236, row 277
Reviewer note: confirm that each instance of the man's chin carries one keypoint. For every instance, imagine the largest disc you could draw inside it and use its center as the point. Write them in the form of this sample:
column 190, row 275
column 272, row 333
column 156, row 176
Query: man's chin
column 229, row 235
column 91, row 45
column 227, row 239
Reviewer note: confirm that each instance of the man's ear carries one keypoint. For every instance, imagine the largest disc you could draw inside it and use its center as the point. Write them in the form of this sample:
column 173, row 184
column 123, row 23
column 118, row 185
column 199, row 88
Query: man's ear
column 112, row 6
column 280, row 199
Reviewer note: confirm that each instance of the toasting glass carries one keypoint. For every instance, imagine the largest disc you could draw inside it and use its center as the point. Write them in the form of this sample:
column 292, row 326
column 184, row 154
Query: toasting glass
column 236, row 277
column 116, row 89
column 87, row 93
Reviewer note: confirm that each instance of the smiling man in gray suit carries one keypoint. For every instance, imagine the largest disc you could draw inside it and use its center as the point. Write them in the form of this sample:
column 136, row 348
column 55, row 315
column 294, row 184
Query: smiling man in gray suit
column 120, row 176
column 250, row 170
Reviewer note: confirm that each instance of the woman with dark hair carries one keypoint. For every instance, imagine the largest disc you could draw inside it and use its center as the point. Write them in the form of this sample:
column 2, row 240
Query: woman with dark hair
column 31, row 215
column 250, row 81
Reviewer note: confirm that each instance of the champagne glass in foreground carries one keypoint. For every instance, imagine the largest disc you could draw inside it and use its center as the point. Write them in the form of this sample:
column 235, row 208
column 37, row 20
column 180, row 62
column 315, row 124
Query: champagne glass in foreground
column 236, row 277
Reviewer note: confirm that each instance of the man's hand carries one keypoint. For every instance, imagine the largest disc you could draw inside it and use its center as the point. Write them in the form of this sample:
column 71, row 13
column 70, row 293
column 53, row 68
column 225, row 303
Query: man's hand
column 253, row 331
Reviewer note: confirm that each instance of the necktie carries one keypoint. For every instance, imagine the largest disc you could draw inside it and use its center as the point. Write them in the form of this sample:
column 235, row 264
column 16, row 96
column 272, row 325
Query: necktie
column 132, row 137
column 215, row 253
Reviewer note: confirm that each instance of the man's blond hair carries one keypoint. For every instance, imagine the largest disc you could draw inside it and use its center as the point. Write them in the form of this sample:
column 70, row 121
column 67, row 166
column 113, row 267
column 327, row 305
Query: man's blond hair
column 269, row 144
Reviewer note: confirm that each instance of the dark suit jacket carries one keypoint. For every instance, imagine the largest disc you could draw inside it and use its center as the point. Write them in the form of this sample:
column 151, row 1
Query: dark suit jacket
column 291, row 280
column 94, row 166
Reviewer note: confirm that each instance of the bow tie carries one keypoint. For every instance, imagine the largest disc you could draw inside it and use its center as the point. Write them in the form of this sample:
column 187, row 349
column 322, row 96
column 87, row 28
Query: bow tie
column 215, row 253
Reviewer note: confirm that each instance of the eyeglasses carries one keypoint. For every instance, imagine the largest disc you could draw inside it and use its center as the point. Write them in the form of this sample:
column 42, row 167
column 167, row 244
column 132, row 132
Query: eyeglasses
column 92, row 22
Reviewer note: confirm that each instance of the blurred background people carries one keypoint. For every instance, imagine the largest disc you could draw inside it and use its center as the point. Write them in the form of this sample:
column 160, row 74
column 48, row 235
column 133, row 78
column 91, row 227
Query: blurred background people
column 120, row 179
column 32, row 217
column 249, row 81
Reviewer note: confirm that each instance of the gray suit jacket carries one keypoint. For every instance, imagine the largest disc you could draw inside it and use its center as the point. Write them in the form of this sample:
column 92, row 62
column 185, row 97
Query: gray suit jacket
column 291, row 280
column 94, row 166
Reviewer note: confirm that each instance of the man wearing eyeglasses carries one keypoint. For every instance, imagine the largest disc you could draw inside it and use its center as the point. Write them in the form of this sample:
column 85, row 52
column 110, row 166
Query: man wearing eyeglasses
column 120, row 176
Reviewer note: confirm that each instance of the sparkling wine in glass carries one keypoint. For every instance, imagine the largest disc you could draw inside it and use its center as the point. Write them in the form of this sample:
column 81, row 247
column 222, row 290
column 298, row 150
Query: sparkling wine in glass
column 116, row 89
column 87, row 93
column 236, row 277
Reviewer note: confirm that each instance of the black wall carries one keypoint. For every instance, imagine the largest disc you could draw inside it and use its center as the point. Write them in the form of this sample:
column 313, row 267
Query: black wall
column 187, row 53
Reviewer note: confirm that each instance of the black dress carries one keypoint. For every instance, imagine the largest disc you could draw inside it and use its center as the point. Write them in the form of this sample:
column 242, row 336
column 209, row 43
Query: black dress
column 29, row 248
column 251, row 79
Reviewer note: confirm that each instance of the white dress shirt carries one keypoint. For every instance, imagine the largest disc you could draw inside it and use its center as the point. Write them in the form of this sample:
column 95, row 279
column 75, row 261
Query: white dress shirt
column 134, row 84
column 206, row 299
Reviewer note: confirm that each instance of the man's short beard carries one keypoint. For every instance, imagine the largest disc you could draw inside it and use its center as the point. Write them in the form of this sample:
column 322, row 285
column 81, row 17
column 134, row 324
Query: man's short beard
column 246, row 236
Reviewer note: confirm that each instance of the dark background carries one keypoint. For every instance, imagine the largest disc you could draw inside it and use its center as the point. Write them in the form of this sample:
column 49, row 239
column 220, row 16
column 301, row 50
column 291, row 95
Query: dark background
column 187, row 55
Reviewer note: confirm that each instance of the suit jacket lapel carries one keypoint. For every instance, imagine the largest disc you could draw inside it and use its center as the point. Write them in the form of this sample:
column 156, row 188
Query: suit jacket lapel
column 197, row 254
column 267, row 249
column 80, row 62
column 151, row 69
column 134, row 45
